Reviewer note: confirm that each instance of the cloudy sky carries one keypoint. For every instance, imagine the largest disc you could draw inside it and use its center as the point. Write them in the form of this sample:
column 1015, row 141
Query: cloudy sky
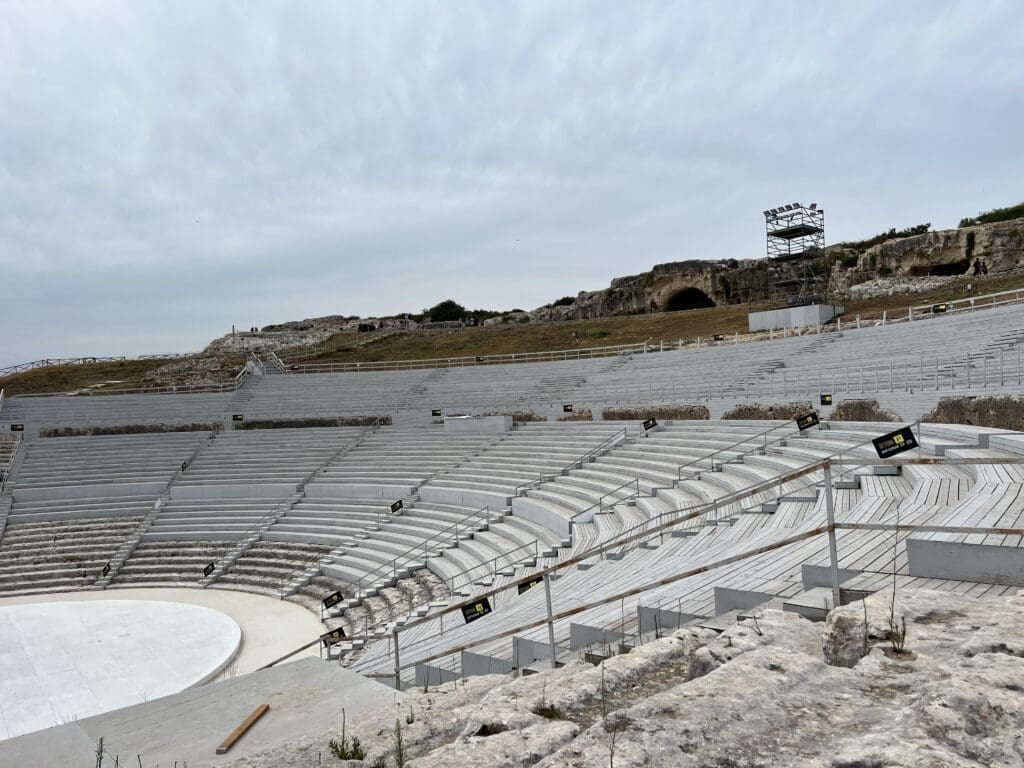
column 170, row 169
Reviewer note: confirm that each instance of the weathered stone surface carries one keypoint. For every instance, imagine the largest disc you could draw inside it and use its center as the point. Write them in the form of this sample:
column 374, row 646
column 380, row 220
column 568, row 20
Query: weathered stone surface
column 760, row 694
column 861, row 410
column 683, row 412
column 758, row 412
column 1002, row 412
column 580, row 414
column 313, row 421
column 897, row 266
column 129, row 429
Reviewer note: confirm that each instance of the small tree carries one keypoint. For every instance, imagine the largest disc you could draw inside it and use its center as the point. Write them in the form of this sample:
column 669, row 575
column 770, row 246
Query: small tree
column 447, row 310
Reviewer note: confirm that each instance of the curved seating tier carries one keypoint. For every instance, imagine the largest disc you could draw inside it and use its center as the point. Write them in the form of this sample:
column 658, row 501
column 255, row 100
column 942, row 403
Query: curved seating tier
column 60, row 555
column 792, row 576
column 170, row 563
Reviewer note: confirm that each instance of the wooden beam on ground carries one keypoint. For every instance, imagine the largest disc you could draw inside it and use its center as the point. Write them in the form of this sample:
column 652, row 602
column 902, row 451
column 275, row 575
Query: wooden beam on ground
column 241, row 730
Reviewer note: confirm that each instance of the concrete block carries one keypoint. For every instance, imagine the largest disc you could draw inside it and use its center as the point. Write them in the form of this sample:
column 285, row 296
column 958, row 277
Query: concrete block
column 525, row 652
column 965, row 562
column 427, row 675
column 538, row 512
column 661, row 620
column 475, row 664
column 738, row 599
column 583, row 635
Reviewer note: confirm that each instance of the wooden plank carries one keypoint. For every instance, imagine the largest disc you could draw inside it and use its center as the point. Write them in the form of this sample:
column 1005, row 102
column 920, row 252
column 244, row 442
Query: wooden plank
column 241, row 730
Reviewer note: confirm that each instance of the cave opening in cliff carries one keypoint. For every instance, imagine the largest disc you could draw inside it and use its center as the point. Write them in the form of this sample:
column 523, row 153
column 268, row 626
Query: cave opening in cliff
column 688, row 298
column 952, row 269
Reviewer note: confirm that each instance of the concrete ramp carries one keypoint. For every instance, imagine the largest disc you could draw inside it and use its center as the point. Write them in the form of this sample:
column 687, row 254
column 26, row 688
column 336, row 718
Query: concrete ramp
column 305, row 699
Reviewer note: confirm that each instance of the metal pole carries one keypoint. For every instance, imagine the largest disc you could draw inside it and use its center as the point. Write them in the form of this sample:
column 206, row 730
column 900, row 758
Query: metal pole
column 398, row 666
column 833, row 556
column 551, row 623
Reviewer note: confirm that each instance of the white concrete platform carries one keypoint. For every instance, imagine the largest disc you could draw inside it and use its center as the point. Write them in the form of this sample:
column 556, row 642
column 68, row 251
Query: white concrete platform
column 305, row 698
column 270, row 627
column 61, row 661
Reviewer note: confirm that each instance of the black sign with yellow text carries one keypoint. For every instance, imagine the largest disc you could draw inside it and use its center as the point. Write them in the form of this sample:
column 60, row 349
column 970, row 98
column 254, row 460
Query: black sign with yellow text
column 807, row 421
column 895, row 442
column 529, row 583
column 332, row 637
column 476, row 610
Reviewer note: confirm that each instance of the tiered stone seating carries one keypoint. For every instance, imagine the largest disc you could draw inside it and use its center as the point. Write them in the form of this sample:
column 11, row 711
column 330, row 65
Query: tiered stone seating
column 848, row 364
column 60, row 555
column 268, row 565
column 156, row 562
column 241, row 480
column 921, row 495
column 101, row 467
column 107, row 410
column 522, row 457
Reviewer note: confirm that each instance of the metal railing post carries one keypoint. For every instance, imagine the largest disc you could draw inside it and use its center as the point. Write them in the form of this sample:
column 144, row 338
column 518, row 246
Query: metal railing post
column 833, row 556
column 551, row 623
column 398, row 665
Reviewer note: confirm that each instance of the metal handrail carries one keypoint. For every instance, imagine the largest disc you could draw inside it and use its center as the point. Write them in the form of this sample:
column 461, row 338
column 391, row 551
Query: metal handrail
column 192, row 389
column 721, row 501
column 578, row 462
column 711, row 456
column 52, row 361
column 257, row 528
column 407, row 555
column 534, row 545
column 5, row 472
column 600, row 501
column 472, row 360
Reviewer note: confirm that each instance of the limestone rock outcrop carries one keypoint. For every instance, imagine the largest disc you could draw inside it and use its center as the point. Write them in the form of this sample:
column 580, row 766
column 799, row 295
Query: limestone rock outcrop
column 772, row 690
column 896, row 266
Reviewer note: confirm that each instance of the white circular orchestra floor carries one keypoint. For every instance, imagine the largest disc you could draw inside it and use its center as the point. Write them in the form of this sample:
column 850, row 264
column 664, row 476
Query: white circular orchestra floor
column 66, row 657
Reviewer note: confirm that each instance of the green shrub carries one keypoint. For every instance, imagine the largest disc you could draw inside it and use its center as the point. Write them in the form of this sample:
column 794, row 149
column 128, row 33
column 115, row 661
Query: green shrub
column 884, row 271
column 892, row 234
column 849, row 262
column 565, row 301
column 996, row 214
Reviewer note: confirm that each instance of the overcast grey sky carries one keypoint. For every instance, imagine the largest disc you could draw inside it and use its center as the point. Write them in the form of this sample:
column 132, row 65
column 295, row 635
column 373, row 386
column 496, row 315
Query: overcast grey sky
column 168, row 169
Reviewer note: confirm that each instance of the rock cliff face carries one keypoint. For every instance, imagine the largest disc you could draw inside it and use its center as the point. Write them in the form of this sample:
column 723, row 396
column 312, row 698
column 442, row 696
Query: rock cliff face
column 926, row 259
column 947, row 253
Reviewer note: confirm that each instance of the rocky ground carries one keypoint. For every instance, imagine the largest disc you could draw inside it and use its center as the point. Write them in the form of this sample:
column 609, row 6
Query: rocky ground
column 896, row 286
column 775, row 690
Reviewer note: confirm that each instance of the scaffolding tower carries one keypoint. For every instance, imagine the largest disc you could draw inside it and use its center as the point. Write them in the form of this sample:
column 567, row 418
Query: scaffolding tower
column 794, row 230
column 796, row 237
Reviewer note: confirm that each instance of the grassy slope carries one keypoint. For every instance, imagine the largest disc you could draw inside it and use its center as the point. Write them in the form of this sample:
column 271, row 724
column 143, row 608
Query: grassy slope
column 63, row 378
column 536, row 337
